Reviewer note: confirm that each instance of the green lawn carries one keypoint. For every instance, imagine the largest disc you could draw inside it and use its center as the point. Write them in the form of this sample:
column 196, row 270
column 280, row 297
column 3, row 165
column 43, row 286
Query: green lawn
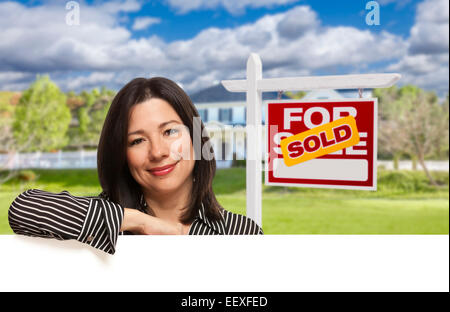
column 404, row 204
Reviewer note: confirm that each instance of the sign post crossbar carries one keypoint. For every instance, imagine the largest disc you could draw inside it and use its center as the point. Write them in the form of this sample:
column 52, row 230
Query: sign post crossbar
column 254, row 85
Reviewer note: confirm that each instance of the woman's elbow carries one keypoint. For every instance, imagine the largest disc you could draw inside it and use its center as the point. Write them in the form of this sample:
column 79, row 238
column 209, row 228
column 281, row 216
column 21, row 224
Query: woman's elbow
column 18, row 218
column 15, row 213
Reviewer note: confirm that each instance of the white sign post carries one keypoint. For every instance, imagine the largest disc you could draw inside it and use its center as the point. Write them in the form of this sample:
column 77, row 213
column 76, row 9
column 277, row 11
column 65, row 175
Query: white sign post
column 254, row 85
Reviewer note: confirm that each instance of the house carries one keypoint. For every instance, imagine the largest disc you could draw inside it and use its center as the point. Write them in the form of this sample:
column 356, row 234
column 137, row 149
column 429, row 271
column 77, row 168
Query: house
column 225, row 120
column 234, row 112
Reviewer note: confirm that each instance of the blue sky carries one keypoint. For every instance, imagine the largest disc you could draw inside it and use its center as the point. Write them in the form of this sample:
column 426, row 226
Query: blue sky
column 198, row 43
column 396, row 19
column 397, row 16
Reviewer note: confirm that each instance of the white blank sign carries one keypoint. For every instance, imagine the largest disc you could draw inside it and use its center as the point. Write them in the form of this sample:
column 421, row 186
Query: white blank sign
column 330, row 169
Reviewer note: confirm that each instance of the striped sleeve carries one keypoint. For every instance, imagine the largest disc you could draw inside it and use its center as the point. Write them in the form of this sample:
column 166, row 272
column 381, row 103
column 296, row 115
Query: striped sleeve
column 90, row 220
column 236, row 224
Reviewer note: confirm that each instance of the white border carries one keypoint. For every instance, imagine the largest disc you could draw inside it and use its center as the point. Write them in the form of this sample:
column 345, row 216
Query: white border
column 165, row 263
column 326, row 186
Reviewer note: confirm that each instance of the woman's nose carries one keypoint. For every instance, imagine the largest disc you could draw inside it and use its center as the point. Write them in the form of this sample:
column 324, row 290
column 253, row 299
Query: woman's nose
column 158, row 149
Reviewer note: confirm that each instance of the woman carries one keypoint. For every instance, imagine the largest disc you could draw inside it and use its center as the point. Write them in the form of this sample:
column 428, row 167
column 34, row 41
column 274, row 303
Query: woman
column 155, row 179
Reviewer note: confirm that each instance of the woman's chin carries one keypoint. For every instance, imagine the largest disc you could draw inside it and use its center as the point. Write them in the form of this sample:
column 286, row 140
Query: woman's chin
column 162, row 189
column 164, row 186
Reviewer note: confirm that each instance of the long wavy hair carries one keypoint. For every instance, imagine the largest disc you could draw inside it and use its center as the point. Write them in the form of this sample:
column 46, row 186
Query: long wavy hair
column 114, row 175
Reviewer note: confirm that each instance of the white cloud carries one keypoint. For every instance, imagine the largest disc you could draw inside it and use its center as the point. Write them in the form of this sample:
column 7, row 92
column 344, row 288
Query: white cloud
column 433, row 11
column 232, row 6
column 38, row 39
column 15, row 81
column 142, row 23
column 420, row 64
column 428, row 74
column 12, row 76
column 291, row 43
column 284, row 43
column 120, row 6
column 430, row 34
column 222, row 53
column 92, row 80
column 427, row 63
column 298, row 21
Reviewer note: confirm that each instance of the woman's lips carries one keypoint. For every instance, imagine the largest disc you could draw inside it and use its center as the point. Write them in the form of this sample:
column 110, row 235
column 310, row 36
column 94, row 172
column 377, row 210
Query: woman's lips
column 163, row 170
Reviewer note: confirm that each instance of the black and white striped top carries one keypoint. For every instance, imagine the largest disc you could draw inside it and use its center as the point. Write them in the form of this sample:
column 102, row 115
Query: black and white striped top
column 96, row 221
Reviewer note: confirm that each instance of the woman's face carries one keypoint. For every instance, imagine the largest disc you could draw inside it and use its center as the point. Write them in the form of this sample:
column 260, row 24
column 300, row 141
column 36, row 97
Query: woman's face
column 159, row 148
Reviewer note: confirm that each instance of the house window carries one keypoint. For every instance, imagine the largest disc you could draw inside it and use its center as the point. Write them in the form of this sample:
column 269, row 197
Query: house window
column 203, row 114
column 225, row 114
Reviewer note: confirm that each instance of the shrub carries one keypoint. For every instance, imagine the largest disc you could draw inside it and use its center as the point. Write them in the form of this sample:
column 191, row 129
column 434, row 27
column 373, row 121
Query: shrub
column 238, row 163
column 441, row 177
column 409, row 181
column 27, row 176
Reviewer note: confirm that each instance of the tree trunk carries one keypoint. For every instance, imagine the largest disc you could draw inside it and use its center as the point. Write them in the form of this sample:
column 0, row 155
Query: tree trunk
column 425, row 169
column 396, row 160
column 414, row 162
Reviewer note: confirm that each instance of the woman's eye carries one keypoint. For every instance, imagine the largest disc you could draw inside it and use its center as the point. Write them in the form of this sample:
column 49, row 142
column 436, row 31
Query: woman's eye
column 171, row 131
column 137, row 141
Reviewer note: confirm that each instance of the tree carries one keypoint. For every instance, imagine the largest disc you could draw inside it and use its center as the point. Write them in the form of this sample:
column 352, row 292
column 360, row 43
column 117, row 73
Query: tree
column 9, row 149
column 391, row 140
column 6, row 139
column 443, row 150
column 8, row 144
column 413, row 122
column 90, row 116
column 425, row 122
column 42, row 113
column 297, row 96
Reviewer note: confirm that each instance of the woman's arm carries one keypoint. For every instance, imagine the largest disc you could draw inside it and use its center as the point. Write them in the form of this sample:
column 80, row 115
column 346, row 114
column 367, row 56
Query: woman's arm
column 90, row 220
column 96, row 221
column 140, row 223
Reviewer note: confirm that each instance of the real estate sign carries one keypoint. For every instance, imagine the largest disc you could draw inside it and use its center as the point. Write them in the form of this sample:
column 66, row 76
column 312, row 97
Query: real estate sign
column 322, row 143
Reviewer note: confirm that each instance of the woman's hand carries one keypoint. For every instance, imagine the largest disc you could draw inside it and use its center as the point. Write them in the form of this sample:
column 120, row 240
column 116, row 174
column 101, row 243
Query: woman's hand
column 140, row 223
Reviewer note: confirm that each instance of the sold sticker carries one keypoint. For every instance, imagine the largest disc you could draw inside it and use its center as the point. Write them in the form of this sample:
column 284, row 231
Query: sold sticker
column 322, row 140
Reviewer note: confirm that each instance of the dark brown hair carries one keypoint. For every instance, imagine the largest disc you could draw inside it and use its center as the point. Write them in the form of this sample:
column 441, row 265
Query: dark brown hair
column 115, row 178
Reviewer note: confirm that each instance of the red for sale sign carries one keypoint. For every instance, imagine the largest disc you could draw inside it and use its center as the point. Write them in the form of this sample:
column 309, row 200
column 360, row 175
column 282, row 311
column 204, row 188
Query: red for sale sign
column 322, row 143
